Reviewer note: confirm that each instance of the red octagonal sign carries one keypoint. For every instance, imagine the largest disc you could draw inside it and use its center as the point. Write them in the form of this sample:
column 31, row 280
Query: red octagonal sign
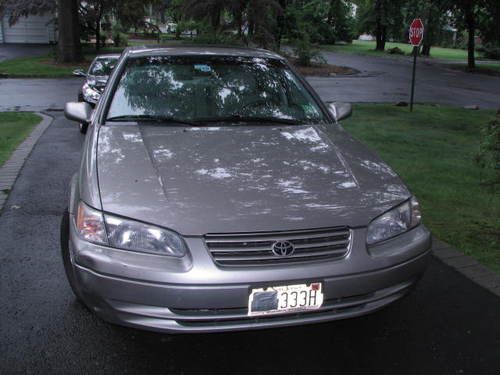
column 416, row 32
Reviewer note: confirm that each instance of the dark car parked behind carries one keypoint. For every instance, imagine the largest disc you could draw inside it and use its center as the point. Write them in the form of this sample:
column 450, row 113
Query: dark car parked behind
column 96, row 77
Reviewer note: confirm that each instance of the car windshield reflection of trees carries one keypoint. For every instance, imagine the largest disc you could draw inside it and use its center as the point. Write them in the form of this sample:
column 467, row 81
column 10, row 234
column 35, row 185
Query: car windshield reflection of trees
column 210, row 88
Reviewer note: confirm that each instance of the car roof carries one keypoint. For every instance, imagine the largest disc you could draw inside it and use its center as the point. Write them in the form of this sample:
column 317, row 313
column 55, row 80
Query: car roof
column 200, row 50
column 108, row 56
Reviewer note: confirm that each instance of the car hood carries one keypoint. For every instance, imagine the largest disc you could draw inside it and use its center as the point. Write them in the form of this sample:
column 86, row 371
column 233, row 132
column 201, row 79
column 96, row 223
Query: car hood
column 241, row 178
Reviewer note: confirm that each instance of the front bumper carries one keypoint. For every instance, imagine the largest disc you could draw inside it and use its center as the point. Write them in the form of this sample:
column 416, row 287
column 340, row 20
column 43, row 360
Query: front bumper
column 194, row 295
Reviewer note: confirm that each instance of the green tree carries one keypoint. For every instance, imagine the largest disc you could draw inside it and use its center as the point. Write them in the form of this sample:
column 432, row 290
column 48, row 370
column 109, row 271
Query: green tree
column 253, row 20
column 476, row 16
column 341, row 20
column 131, row 14
column 384, row 18
column 93, row 15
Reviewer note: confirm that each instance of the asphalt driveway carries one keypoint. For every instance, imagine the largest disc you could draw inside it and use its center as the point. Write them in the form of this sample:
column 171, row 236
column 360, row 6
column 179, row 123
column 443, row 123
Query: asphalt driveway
column 449, row 325
column 388, row 79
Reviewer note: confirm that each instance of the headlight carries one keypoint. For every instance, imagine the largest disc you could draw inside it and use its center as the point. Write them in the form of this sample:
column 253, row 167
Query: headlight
column 127, row 234
column 90, row 224
column 91, row 95
column 132, row 235
column 396, row 221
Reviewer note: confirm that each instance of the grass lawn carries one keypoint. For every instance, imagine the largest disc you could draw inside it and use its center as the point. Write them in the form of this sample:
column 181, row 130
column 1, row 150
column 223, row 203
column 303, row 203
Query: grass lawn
column 39, row 66
column 368, row 48
column 14, row 128
column 432, row 149
column 46, row 67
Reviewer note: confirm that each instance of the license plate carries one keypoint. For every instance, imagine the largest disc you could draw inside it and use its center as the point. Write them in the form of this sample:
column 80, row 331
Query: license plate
column 287, row 298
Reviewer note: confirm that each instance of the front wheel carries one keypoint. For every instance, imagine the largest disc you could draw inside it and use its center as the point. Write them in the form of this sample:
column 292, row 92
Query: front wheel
column 66, row 257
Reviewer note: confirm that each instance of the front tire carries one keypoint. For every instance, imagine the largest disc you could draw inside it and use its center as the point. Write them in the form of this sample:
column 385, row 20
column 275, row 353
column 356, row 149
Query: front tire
column 66, row 257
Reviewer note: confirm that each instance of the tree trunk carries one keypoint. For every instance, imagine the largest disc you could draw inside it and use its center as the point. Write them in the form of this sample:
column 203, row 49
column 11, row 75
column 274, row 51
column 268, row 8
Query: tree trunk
column 471, row 43
column 98, row 35
column 98, row 29
column 69, row 32
column 380, row 30
column 216, row 15
column 428, row 35
column 280, row 24
column 381, row 37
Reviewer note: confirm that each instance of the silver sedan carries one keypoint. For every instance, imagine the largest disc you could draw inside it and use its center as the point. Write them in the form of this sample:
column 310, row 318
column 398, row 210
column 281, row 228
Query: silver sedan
column 217, row 192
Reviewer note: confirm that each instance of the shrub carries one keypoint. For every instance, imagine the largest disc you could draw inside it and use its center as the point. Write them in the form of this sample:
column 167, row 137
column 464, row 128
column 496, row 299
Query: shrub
column 306, row 52
column 395, row 51
column 492, row 51
column 120, row 39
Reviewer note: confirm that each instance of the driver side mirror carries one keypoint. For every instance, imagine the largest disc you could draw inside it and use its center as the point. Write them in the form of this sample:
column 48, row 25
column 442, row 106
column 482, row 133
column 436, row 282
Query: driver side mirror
column 339, row 110
column 79, row 72
column 78, row 111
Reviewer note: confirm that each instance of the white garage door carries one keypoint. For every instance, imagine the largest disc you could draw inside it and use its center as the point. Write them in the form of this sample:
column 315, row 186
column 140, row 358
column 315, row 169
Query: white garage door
column 32, row 29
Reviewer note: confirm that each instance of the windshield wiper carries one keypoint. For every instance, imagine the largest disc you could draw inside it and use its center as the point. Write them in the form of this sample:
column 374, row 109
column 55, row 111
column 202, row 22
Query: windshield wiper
column 170, row 120
column 237, row 118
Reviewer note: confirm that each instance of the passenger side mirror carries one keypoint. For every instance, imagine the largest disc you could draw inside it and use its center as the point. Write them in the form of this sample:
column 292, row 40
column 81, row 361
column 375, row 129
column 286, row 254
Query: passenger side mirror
column 78, row 111
column 340, row 110
column 79, row 73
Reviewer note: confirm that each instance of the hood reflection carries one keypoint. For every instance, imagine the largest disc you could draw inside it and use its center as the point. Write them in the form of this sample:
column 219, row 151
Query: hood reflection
column 242, row 178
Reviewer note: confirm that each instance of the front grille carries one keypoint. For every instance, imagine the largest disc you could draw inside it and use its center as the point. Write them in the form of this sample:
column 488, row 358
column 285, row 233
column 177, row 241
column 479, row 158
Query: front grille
column 256, row 249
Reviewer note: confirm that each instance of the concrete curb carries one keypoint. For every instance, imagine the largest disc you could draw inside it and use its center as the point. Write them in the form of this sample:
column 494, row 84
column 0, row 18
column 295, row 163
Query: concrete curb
column 10, row 170
column 467, row 266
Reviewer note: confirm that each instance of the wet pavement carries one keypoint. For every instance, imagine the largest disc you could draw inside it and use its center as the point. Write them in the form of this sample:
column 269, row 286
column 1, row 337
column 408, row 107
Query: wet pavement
column 388, row 79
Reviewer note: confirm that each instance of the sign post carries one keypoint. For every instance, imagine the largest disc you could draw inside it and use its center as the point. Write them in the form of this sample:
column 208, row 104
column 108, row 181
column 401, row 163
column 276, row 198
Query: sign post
column 416, row 36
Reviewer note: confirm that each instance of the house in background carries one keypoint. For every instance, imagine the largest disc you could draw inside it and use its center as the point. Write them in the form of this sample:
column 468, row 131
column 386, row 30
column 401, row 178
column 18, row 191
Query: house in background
column 34, row 29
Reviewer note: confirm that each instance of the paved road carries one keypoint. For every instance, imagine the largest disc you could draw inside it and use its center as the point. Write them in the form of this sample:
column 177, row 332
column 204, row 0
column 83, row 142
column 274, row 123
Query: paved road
column 449, row 325
column 381, row 80
column 13, row 51
column 40, row 94
column 386, row 79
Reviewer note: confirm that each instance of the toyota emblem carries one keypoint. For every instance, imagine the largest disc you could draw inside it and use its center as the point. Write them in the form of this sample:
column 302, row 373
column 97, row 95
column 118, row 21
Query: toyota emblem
column 283, row 248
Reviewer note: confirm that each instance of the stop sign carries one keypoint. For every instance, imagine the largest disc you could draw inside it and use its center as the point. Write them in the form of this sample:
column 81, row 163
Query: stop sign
column 416, row 32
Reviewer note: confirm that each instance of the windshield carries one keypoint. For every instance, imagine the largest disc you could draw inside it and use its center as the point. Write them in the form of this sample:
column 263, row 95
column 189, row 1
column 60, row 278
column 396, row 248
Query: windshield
column 213, row 88
column 102, row 66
